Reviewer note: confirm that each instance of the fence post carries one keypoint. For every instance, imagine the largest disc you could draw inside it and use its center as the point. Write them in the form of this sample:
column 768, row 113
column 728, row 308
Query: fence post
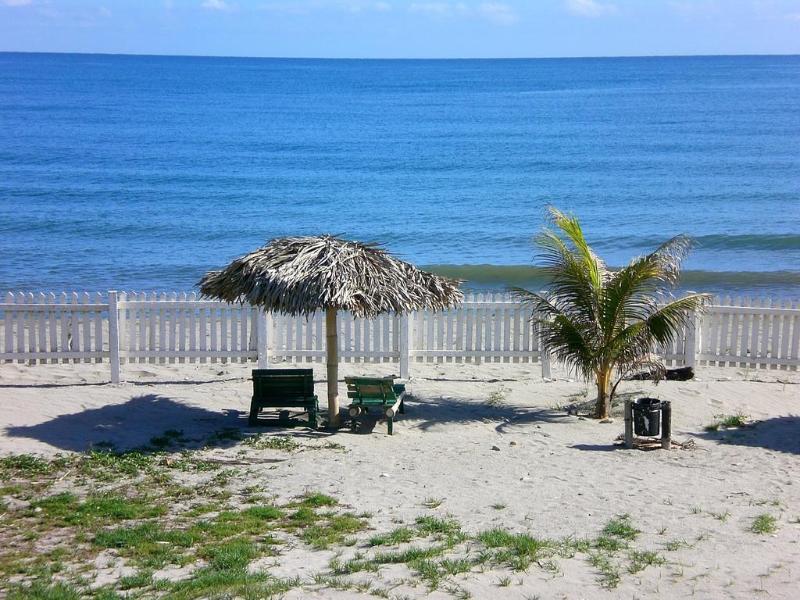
column 404, row 347
column 690, row 343
column 113, row 336
column 545, row 364
column 628, row 437
column 262, row 343
column 544, row 357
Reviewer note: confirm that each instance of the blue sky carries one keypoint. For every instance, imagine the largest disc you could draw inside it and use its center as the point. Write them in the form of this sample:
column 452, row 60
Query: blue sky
column 395, row 28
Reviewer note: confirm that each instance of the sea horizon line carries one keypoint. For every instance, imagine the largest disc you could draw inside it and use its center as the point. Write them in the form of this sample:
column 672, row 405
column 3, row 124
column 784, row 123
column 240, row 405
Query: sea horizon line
column 401, row 58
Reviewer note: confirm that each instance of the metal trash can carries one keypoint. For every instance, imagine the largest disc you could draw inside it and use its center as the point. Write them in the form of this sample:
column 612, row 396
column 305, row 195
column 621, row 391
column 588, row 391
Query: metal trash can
column 647, row 416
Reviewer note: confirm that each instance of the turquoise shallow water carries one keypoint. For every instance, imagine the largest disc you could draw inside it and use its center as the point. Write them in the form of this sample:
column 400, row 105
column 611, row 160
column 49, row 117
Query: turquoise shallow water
column 143, row 172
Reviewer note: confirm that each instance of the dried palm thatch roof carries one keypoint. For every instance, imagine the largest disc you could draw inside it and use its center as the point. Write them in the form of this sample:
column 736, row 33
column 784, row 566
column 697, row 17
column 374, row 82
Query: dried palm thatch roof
column 300, row 275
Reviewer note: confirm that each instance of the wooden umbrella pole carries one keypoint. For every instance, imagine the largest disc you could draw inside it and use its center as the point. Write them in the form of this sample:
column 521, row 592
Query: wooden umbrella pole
column 332, row 336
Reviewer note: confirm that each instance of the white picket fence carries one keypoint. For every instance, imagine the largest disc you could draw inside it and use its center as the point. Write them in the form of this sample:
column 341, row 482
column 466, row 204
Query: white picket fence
column 176, row 328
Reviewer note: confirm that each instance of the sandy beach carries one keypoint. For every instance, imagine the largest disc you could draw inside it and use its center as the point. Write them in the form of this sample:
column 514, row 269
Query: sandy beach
column 484, row 446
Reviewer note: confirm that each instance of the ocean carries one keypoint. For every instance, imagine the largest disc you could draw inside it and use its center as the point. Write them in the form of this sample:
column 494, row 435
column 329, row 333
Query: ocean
column 141, row 173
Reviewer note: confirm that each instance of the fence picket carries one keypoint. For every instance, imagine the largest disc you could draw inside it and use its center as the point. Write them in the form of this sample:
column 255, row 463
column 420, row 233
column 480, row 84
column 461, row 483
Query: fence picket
column 775, row 333
column 86, row 342
column 723, row 334
column 203, row 333
column 53, row 328
column 506, row 312
column 8, row 325
column 41, row 346
column 98, row 327
column 795, row 344
column 234, row 327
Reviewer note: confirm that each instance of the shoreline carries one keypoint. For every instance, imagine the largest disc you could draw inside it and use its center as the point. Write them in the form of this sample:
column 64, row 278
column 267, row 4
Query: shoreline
column 478, row 278
column 491, row 277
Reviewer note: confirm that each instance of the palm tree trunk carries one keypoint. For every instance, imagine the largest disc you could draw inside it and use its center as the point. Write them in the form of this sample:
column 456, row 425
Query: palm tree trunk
column 332, row 338
column 603, row 405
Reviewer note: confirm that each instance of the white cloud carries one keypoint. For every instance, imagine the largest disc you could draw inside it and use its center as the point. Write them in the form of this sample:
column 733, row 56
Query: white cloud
column 289, row 8
column 437, row 8
column 297, row 7
column 590, row 8
column 16, row 2
column 215, row 5
column 499, row 13
column 695, row 8
column 358, row 6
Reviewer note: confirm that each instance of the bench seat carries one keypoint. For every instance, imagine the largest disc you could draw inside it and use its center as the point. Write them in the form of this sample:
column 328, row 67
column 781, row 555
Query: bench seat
column 284, row 388
column 375, row 392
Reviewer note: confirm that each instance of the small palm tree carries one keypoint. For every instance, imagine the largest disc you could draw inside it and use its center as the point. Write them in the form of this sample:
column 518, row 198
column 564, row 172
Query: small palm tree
column 601, row 322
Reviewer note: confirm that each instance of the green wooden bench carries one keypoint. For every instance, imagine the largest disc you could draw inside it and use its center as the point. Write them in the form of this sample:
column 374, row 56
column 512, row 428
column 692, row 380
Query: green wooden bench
column 375, row 392
column 284, row 388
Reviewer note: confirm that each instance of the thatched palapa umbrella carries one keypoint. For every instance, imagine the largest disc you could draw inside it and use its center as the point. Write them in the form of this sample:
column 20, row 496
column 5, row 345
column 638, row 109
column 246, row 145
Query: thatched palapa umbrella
column 301, row 275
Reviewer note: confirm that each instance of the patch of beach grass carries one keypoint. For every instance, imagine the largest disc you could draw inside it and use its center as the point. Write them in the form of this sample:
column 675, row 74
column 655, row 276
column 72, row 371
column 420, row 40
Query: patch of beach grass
column 455, row 566
column 228, row 434
column 610, row 576
column 432, row 503
column 65, row 509
column 168, row 439
column 609, row 543
column 231, row 555
column 497, row 397
column 230, row 583
column 317, row 499
column 254, row 520
column 448, row 528
column 139, row 579
column 400, row 535
column 764, row 524
column 42, row 591
column 148, row 544
column 728, row 422
column 262, row 441
column 621, row 527
column 673, row 545
column 27, row 466
column 332, row 531
column 108, row 465
column 641, row 559
column 516, row 550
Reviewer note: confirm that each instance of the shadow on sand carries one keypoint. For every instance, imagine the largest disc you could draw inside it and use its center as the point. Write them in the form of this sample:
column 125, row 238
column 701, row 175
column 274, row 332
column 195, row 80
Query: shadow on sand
column 430, row 413
column 132, row 424
column 781, row 434
column 597, row 447
column 142, row 382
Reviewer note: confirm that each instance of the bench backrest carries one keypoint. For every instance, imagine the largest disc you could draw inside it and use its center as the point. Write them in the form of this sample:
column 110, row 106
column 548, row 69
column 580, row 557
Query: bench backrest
column 283, row 383
column 374, row 388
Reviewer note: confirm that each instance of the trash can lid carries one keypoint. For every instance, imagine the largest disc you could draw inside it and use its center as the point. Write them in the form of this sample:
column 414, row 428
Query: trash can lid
column 648, row 402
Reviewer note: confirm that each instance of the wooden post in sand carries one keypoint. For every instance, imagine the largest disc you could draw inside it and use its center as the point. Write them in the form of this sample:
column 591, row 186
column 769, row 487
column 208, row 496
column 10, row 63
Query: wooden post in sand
column 666, row 424
column 113, row 336
column 628, row 423
column 332, row 338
